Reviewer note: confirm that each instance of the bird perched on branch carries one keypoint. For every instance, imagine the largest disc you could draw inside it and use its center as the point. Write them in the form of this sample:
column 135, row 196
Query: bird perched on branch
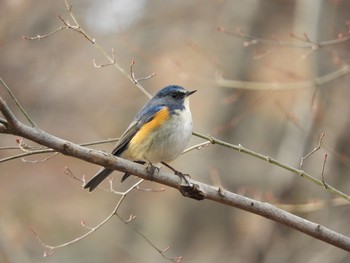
column 159, row 132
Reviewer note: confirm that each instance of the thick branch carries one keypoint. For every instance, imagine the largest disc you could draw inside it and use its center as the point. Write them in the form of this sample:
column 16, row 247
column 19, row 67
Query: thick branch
column 208, row 192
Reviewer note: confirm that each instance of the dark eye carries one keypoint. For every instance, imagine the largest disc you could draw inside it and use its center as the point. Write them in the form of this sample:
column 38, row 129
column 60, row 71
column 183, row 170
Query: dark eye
column 175, row 95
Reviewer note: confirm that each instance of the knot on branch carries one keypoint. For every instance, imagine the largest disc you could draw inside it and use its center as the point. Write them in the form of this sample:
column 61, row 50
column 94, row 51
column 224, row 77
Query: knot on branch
column 192, row 191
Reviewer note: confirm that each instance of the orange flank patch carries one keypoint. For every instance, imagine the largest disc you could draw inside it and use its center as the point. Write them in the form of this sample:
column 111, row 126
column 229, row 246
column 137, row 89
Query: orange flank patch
column 160, row 117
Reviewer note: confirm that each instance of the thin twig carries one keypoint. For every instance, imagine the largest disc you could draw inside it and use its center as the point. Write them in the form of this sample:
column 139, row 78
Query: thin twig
column 252, row 85
column 313, row 151
column 105, row 54
column 198, row 146
column 150, row 189
column 322, row 172
column 38, row 37
column 76, row 28
column 47, row 150
column 51, row 248
column 9, row 148
column 268, row 159
column 310, row 206
column 26, row 147
column 17, row 103
column 160, row 251
column 107, row 64
column 132, row 74
column 41, row 160
column 307, row 43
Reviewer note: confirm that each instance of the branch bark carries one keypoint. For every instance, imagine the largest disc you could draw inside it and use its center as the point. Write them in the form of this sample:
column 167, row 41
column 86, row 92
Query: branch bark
column 14, row 127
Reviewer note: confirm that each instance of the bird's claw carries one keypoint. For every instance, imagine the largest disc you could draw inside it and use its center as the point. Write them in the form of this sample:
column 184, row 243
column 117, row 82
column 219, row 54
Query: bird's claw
column 152, row 169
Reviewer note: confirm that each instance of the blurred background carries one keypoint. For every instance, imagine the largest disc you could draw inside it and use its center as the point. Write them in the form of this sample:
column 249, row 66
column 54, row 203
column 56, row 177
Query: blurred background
column 57, row 83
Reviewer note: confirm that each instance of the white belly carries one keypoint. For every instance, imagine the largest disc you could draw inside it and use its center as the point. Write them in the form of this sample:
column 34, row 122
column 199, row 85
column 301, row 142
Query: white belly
column 168, row 141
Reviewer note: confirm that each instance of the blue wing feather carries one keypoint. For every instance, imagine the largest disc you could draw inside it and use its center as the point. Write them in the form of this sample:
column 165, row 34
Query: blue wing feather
column 145, row 115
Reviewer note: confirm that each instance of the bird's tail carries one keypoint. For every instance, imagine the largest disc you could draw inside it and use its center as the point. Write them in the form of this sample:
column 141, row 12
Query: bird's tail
column 98, row 178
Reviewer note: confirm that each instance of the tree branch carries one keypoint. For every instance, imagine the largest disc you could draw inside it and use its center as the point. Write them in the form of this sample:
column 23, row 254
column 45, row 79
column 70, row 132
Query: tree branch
column 251, row 85
column 17, row 103
column 284, row 166
column 306, row 42
column 206, row 191
column 10, row 121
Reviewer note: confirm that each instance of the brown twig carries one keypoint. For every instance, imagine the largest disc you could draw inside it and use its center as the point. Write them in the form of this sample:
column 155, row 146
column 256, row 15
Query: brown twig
column 198, row 146
column 251, row 85
column 162, row 189
column 313, row 151
column 41, row 150
column 160, row 251
column 76, row 28
column 41, row 160
column 51, row 248
column 307, row 43
column 132, row 74
column 322, row 172
column 38, row 37
column 270, row 160
column 107, row 64
column 9, row 119
column 249, row 40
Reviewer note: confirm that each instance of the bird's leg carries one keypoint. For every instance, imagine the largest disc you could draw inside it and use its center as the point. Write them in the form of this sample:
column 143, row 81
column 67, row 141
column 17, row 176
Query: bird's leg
column 190, row 190
column 151, row 169
column 178, row 173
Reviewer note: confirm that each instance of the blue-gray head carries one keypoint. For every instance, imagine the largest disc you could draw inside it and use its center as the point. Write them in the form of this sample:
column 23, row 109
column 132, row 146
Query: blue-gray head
column 173, row 94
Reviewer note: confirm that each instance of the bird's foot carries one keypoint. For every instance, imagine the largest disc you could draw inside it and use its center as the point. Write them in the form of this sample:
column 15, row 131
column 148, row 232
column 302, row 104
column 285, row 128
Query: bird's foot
column 178, row 173
column 152, row 169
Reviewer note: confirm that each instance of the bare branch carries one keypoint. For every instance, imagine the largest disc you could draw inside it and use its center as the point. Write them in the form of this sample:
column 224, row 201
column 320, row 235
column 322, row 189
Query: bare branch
column 150, row 189
column 198, row 146
column 11, row 121
column 76, row 28
column 160, row 251
column 322, row 172
column 251, row 85
column 313, row 151
column 311, row 206
column 268, row 159
column 38, row 37
column 132, row 74
column 51, row 248
column 46, row 150
column 307, row 43
column 108, row 64
column 41, row 160
column 208, row 192
column 17, row 103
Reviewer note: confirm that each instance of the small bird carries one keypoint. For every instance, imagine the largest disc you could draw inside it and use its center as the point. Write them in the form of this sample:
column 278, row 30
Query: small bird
column 159, row 132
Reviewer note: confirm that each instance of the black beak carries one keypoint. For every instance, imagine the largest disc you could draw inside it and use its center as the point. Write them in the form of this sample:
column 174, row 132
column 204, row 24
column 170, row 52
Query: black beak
column 188, row 93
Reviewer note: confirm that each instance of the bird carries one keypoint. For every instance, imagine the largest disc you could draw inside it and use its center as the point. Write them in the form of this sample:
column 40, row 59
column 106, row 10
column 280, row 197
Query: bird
column 159, row 133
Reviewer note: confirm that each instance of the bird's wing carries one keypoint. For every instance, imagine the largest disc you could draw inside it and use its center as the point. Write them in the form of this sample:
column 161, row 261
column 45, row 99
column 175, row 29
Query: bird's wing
column 145, row 115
